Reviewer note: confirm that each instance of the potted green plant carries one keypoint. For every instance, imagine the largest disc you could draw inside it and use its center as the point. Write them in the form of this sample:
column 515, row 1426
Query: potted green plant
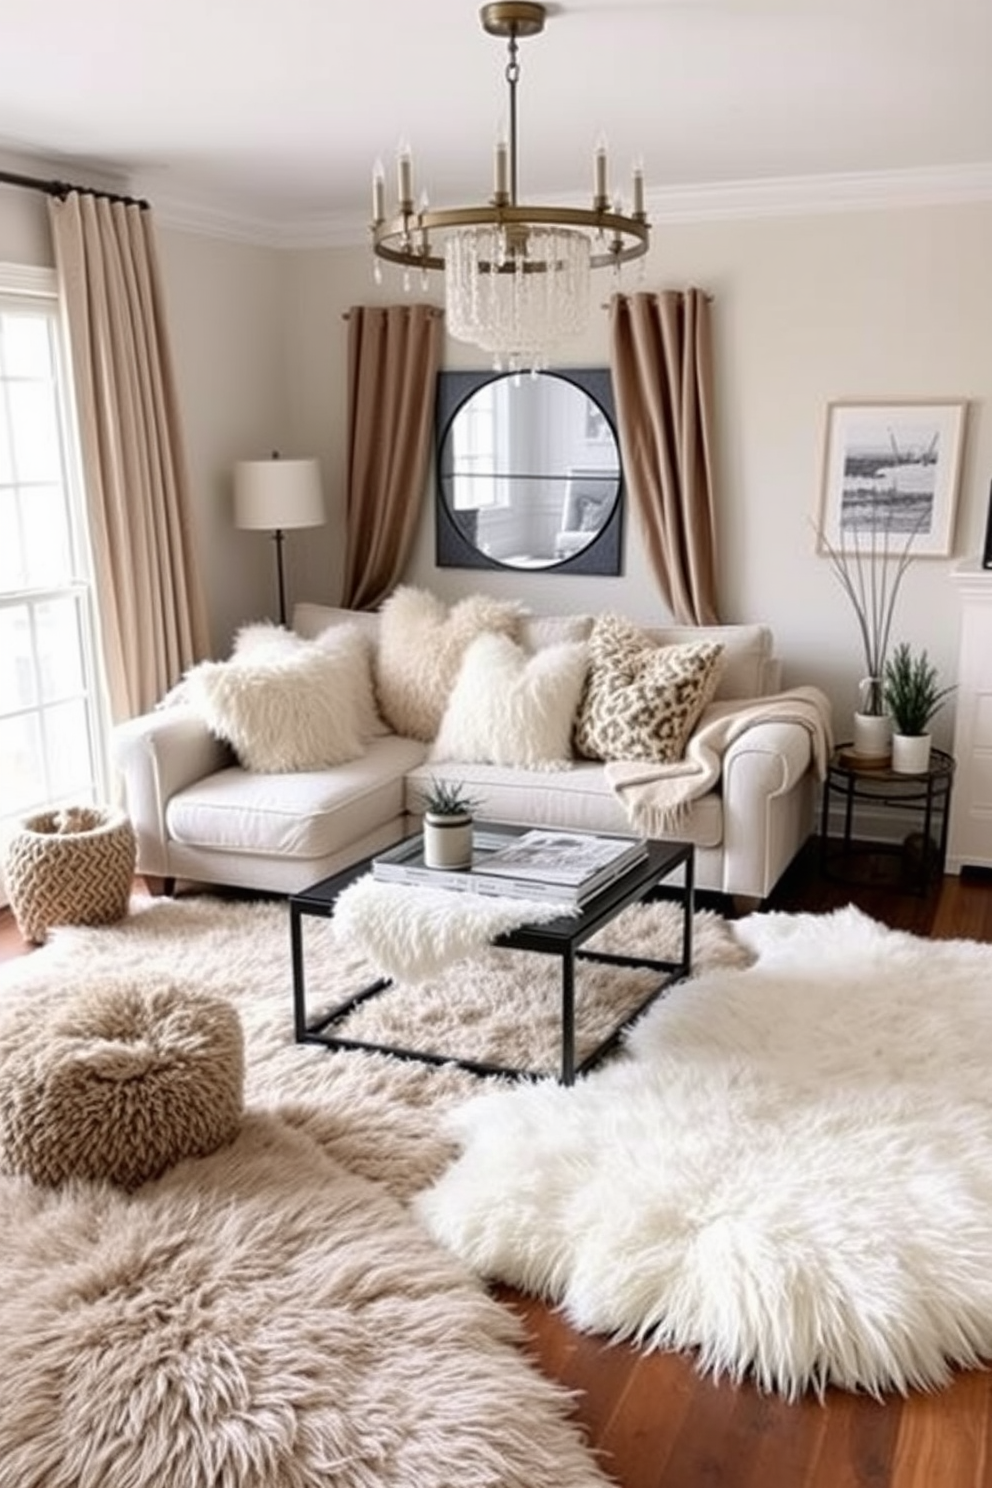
column 913, row 697
column 448, row 811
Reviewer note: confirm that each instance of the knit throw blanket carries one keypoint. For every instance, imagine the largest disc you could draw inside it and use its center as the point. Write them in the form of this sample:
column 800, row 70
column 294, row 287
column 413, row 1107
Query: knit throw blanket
column 657, row 797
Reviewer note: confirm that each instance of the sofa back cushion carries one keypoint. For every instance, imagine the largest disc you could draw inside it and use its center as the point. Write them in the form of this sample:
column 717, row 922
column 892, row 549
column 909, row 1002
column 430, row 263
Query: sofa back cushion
column 749, row 667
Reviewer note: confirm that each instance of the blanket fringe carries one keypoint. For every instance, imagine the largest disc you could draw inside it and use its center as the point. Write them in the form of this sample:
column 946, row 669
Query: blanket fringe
column 659, row 821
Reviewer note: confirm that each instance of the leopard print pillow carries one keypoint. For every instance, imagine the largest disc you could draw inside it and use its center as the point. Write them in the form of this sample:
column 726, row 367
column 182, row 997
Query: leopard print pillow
column 642, row 700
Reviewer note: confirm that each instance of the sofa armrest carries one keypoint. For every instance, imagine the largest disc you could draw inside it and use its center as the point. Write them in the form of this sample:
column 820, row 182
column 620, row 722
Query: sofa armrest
column 768, row 797
column 157, row 755
column 780, row 751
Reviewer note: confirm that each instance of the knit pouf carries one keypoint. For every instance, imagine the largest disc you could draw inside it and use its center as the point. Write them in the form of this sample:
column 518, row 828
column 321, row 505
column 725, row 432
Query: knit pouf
column 70, row 867
column 121, row 1081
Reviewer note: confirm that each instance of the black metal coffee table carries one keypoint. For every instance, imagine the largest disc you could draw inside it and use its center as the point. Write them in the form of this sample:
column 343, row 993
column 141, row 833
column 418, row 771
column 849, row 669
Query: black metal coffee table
column 563, row 938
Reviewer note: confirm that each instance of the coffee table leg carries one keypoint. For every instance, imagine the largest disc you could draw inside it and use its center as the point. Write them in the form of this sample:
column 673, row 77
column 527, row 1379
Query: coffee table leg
column 688, row 911
column 299, row 992
column 568, row 1017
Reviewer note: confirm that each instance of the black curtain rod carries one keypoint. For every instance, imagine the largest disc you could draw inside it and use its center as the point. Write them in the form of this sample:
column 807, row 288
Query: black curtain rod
column 62, row 189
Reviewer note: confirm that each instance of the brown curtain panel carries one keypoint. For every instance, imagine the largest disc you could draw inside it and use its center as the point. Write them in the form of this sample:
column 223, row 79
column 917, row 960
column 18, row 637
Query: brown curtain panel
column 152, row 616
column 662, row 365
column 393, row 359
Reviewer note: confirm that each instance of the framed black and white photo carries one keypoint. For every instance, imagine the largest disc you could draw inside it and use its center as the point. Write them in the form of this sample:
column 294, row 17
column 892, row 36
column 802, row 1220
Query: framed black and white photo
column 892, row 470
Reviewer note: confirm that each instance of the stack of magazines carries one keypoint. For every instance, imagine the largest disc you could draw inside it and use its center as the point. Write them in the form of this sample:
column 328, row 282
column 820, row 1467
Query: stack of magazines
column 568, row 867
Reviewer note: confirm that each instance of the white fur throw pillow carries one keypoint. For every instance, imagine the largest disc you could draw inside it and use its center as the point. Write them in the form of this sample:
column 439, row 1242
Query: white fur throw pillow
column 421, row 645
column 349, row 643
column 282, row 709
column 508, row 708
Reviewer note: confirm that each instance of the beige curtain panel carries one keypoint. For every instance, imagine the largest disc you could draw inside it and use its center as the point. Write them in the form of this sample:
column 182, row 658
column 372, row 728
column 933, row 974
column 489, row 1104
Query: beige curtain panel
column 662, row 366
column 152, row 614
column 394, row 353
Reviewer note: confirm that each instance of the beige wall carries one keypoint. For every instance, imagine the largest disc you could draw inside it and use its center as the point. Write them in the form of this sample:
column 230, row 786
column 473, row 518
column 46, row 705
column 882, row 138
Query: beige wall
column 887, row 304
column 806, row 309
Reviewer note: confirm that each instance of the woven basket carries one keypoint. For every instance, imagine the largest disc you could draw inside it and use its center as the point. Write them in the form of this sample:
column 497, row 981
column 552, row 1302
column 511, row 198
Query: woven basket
column 70, row 867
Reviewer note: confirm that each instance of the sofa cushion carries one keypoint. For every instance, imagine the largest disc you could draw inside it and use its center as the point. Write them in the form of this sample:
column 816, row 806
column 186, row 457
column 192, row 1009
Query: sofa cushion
column 641, row 700
column 578, row 799
column 421, row 645
column 511, row 708
column 310, row 814
column 283, row 710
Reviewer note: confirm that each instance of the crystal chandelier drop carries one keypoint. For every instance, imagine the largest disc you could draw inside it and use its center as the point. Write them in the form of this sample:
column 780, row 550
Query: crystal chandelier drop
column 517, row 278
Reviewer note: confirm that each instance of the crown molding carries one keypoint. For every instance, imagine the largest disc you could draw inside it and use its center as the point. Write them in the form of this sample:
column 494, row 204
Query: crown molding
column 791, row 196
column 794, row 196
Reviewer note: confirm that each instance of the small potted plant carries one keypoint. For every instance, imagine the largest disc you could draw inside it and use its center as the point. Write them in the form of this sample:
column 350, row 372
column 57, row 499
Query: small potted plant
column 912, row 696
column 448, row 810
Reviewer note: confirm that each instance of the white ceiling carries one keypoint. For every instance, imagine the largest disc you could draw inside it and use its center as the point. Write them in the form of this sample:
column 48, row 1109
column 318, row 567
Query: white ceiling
column 265, row 116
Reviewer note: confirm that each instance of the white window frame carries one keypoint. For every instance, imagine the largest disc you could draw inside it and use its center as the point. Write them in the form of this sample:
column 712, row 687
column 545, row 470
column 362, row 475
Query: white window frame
column 21, row 285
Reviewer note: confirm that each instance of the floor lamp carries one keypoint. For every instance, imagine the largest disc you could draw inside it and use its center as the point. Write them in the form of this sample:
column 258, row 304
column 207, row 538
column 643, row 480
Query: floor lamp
column 276, row 495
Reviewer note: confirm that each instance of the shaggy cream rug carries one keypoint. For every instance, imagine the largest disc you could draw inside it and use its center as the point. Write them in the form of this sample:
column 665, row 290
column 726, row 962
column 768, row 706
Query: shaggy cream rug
column 267, row 1315
column 789, row 1172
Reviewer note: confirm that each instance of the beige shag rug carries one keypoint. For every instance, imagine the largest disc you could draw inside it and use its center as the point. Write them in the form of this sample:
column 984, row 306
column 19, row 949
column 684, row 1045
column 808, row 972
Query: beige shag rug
column 273, row 1314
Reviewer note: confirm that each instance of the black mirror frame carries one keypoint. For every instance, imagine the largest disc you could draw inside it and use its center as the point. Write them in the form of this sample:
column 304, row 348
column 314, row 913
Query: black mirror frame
column 452, row 549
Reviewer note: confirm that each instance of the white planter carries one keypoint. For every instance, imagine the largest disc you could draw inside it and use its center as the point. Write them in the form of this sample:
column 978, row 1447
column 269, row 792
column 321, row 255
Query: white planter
column 873, row 734
column 447, row 841
column 910, row 753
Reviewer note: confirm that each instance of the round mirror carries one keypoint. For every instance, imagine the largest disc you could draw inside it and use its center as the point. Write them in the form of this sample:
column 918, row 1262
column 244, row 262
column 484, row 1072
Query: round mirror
column 528, row 471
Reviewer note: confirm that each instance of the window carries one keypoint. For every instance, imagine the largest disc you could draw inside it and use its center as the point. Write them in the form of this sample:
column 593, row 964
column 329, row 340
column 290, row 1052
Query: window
column 52, row 731
column 474, row 455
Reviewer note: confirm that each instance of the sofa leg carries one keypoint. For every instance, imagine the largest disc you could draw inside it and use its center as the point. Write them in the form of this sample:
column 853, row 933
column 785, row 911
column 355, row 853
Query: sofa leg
column 158, row 887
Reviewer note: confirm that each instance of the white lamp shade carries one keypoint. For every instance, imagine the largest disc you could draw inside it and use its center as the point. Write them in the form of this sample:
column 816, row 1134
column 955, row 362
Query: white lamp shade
column 276, row 494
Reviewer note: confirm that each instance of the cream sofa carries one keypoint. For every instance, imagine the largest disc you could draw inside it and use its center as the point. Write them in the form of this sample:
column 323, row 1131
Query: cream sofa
column 200, row 817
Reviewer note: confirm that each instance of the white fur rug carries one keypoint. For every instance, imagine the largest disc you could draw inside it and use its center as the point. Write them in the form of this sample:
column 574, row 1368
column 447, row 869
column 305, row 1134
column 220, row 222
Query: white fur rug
column 791, row 1173
column 267, row 1315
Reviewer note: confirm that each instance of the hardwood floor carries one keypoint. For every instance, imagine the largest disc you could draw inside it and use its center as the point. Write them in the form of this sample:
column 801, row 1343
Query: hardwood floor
column 658, row 1424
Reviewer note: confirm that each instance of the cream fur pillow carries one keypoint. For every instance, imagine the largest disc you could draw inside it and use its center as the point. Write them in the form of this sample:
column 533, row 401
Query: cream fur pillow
column 421, row 645
column 508, row 708
column 349, row 643
column 282, row 709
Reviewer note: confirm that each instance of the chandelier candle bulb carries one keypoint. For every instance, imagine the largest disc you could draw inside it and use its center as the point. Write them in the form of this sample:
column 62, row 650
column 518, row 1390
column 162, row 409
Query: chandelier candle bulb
column 404, row 163
column 502, row 172
column 378, row 192
column 601, row 197
column 638, row 191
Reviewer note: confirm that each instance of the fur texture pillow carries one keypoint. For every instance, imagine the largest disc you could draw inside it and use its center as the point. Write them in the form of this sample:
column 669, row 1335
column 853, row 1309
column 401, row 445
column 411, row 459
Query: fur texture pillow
column 421, row 645
column 642, row 700
column 508, row 708
column 350, row 643
column 281, row 709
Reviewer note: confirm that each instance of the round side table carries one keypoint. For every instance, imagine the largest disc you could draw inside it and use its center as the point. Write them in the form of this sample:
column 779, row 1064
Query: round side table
column 862, row 786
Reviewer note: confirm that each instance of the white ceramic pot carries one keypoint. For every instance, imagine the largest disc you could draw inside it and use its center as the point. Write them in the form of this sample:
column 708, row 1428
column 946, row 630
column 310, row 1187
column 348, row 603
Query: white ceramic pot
column 910, row 753
column 447, row 841
column 873, row 734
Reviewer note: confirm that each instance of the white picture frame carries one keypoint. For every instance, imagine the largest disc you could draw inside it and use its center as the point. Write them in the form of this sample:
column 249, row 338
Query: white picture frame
column 891, row 471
